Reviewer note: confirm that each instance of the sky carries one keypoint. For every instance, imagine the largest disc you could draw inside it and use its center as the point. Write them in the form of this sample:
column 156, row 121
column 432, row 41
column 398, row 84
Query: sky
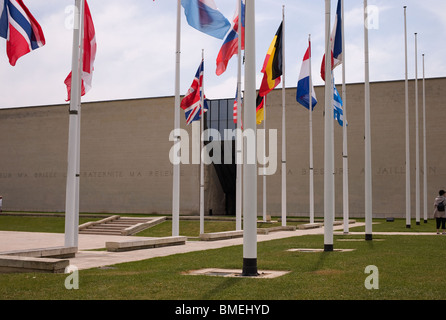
column 136, row 47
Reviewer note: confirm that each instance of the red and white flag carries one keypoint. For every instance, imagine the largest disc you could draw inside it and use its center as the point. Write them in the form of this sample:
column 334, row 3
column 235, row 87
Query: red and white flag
column 89, row 54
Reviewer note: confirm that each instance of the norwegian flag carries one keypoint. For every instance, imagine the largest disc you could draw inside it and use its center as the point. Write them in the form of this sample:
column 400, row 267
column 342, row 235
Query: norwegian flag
column 191, row 102
column 89, row 54
column 21, row 30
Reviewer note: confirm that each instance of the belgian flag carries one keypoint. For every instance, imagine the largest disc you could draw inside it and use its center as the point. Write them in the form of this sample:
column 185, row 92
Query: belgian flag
column 272, row 66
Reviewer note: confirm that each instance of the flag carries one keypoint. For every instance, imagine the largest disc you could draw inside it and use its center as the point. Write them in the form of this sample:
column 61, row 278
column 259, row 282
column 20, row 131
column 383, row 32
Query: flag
column 89, row 54
column 230, row 44
column 235, row 108
column 303, row 84
column 336, row 42
column 21, row 30
column 272, row 66
column 204, row 16
column 260, row 112
column 338, row 112
column 191, row 102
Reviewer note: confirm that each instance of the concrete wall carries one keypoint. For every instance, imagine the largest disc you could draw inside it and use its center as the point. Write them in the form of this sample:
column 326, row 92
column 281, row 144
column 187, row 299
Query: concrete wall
column 388, row 149
column 125, row 148
column 125, row 164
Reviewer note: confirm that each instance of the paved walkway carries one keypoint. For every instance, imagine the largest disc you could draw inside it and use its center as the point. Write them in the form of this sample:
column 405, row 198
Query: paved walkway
column 85, row 259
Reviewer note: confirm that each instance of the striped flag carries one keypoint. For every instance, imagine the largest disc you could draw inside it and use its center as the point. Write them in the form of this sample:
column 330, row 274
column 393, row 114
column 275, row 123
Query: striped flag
column 336, row 42
column 89, row 54
column 303, row 85
column 338, row 112
column 235, row 109
column 230, row 44
column 260, row 111
column 20, row 29
column 272, row 66
column 191, row 102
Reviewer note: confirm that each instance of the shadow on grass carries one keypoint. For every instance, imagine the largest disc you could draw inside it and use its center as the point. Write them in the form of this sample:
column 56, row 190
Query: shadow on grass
column 321, row 261
column 222, row 287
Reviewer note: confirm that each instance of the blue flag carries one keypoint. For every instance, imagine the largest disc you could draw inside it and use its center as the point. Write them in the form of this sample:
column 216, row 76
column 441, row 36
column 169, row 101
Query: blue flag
column 338, row 112
column 204, row 16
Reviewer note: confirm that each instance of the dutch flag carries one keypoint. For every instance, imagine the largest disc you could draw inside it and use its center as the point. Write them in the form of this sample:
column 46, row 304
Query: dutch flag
column 303, row 85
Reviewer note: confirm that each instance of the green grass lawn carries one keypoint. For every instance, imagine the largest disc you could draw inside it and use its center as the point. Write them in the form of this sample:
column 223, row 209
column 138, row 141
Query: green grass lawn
column 410, row 268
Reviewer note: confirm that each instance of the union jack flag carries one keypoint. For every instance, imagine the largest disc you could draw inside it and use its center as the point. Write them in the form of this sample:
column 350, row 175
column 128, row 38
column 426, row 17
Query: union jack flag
column 191, row 102
column 20, row 29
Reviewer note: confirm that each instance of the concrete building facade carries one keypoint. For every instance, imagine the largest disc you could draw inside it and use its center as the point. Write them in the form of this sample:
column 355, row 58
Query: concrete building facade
column 125, row 146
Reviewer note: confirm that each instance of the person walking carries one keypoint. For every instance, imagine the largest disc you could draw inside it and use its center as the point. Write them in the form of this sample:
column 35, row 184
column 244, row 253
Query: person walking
column 440, row 212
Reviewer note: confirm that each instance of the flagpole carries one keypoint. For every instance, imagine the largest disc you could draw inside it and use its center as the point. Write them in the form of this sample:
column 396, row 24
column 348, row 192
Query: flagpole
column 344, row 131
column 367, row 135
column 284, row 198
column 417, row 142
column 408, row 200
column 264, row 158
column 239, row 144
column 424, row 149
column 250, row 169
column 201, row 148
column 176, row 166
column 328, row 135
column 310, row 110
column 72, row 187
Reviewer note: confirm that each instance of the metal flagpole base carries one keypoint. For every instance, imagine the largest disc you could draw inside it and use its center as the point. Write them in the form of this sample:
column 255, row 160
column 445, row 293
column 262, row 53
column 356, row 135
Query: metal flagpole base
column 425, row 221
column 250, row 267
column 418, row 223
column 368, row 237
column 407, row 226
column 328, row 247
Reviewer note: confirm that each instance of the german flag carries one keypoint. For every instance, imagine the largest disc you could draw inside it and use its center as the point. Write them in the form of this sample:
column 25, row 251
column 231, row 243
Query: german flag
column 260, row 112
column 272, row 67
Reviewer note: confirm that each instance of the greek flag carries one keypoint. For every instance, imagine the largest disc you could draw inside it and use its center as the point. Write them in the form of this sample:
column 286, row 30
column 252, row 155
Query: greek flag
column 338, row 113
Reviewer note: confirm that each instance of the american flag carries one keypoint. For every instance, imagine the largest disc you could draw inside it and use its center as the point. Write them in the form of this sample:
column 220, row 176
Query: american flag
column 191, row 102
column 21, row 30
column 234, row 111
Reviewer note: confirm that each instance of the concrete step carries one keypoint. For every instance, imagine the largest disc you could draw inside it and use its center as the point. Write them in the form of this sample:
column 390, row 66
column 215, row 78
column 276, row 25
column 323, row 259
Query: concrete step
column 109, row 232
column 116, row 225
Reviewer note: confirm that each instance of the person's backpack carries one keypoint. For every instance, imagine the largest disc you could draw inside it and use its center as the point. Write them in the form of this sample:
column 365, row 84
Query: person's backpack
column 440, row 206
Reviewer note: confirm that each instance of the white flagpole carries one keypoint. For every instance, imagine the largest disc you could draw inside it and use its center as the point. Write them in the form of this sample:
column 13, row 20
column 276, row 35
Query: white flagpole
column 72, row 188
column 408, row 200
column 367, row 135
column 310, row 109
column 239, row 143
column 201, row 148
column 424, row 149
column 264, row 159
column 344, row 132
column 328, row 138
column 284, row 198
column 176, row 166
column 417, row 142
column 250, row 169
